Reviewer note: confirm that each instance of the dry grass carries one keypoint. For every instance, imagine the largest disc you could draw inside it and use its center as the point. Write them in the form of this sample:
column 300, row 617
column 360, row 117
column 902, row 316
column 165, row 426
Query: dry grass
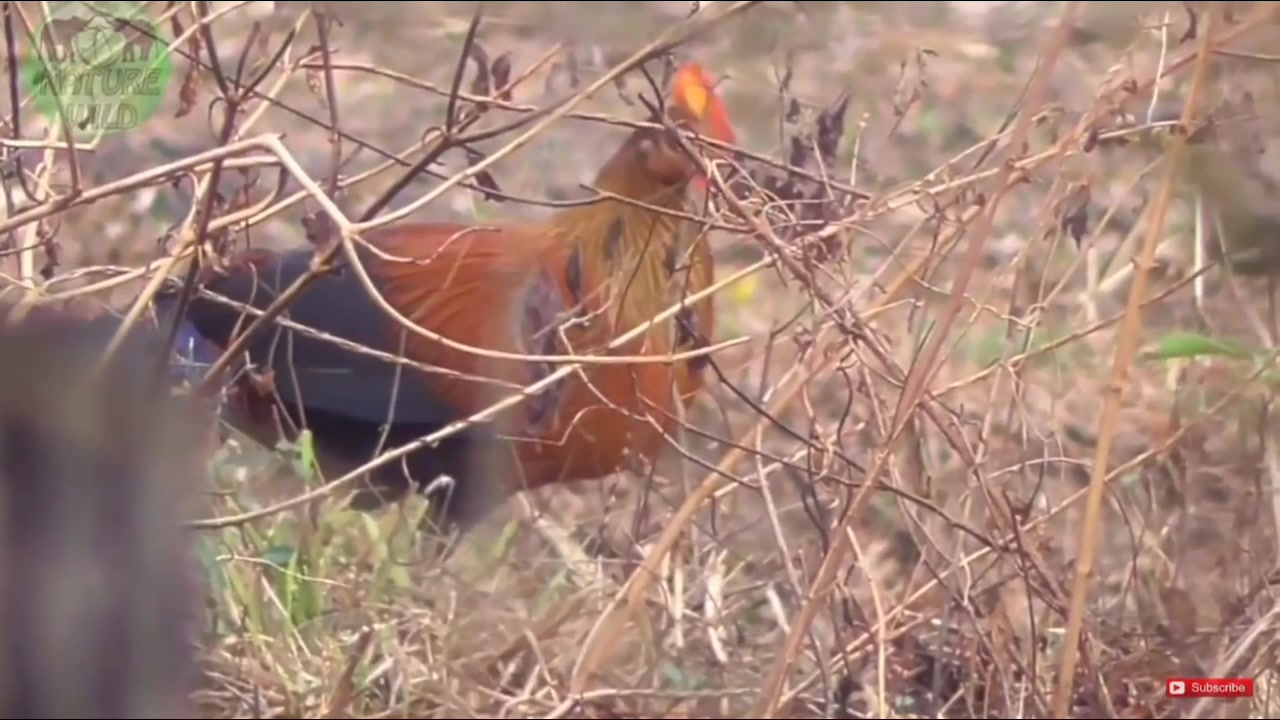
column 975, row 417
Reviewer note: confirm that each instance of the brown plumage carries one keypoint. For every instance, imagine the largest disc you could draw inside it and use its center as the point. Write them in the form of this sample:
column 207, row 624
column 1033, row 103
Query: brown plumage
column 569, row 284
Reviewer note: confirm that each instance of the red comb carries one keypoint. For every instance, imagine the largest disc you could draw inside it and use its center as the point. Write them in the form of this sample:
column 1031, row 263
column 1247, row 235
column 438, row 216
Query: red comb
column 693, row 92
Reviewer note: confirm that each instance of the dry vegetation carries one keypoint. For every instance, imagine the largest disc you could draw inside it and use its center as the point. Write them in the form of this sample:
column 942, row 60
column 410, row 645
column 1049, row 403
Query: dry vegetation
column 1009, row 398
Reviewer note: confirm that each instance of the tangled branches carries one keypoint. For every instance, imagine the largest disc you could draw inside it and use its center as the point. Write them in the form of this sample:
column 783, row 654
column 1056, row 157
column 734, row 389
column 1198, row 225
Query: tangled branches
column 888, row 515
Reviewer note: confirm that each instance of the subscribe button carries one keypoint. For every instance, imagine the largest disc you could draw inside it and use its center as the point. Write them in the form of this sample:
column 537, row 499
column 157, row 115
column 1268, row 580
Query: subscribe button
column 1209, row 687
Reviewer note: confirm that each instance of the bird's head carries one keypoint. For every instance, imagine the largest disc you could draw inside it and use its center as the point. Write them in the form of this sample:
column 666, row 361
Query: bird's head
column 692, row 105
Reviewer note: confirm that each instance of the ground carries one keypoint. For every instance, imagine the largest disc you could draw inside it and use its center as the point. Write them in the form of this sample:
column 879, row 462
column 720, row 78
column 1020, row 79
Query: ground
column 886, row 563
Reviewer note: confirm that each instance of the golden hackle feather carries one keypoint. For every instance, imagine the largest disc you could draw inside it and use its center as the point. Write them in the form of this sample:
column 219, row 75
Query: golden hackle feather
column 644, row 255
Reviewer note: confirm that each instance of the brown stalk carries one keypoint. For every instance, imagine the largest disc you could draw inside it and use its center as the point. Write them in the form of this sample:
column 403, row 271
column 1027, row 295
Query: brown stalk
column 1130, row 333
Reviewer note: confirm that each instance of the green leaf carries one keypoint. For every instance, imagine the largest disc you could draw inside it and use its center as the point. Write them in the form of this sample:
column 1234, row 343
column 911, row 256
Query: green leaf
column 506, row 541
column 1190, row 345
column 215, row 612
column 301, row 454
column 306, row 460
column 279, row 555
column 678, row 678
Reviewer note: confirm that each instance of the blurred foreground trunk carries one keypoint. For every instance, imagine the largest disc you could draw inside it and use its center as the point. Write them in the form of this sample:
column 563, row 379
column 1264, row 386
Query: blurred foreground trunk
column 97, row 595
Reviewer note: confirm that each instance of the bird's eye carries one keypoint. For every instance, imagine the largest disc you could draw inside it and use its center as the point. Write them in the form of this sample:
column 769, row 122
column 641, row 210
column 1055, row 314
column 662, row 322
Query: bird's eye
column 662, row 156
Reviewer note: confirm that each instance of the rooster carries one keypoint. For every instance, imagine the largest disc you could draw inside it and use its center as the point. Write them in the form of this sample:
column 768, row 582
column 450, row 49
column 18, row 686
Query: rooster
column 566, row 285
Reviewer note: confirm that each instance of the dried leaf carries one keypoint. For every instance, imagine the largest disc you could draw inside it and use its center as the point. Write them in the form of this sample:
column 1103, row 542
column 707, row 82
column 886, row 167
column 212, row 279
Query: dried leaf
column 793, row 111
column 1074, row 218
column 188, row 91
column 799, row 157
column 1090, row 140
column 482, row 84
column 1180, row 611
column 488, row 186
column 500, row 70
column 50, row 246
column 175, row 24
column 1193, row 24
column 831, row 130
